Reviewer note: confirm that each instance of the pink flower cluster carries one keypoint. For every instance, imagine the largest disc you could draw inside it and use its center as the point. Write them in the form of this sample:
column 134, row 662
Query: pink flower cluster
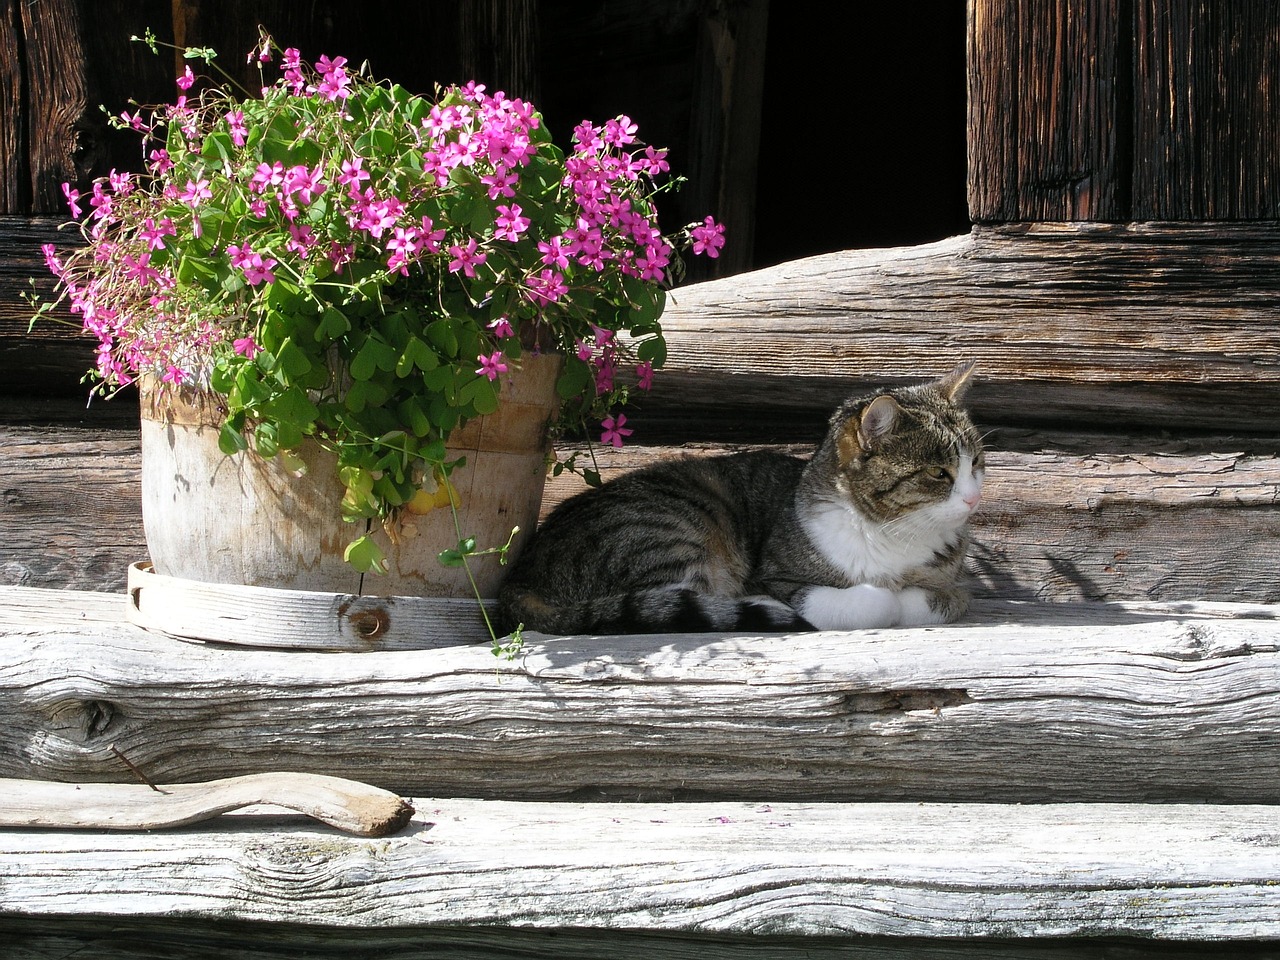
column 353, row 200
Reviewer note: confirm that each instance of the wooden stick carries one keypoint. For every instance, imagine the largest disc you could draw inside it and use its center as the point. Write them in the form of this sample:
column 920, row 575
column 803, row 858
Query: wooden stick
column 346, row 804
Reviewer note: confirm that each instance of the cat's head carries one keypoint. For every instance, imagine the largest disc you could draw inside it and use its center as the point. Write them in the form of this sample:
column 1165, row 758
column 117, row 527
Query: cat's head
column 908, row 450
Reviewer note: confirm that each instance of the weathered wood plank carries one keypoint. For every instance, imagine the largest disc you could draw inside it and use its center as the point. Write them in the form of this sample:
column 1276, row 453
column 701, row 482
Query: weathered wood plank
column 1019, row 703
column 1121, row 326
column 1115, row 110
column 71, row 506
column 902, row 870
column 1065, row 517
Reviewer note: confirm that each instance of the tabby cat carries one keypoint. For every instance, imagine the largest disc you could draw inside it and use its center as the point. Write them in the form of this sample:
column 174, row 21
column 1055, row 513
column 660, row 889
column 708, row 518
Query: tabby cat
column 869, row 532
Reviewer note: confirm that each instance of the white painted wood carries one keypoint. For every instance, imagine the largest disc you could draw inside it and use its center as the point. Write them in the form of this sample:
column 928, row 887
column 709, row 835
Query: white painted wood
column 1021, row 702
column 345, row 804
column 903, row 870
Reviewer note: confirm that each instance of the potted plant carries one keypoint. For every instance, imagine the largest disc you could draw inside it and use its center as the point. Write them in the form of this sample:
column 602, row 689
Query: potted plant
column 333, row 282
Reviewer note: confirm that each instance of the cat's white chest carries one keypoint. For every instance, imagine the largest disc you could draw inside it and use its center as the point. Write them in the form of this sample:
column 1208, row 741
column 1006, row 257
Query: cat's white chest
column 866, row 551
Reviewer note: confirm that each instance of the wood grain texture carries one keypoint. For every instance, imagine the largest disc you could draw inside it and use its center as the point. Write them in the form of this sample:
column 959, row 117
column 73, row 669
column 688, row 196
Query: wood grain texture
column 1155, row 326
column 1070, row 517
column 344, row 804
column 1206, row 113
column 779, row 869
column 1045, row 97
column 1018, row 703
column 298, row 619
column 71, row 506
column 1123, row 110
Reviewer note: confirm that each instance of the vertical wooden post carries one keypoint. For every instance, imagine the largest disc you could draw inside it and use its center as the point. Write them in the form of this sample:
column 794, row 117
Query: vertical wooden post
column 724, row 128
column 1124, row 110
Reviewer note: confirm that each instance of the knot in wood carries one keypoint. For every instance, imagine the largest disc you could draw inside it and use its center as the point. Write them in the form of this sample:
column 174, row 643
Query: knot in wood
column 370, row 624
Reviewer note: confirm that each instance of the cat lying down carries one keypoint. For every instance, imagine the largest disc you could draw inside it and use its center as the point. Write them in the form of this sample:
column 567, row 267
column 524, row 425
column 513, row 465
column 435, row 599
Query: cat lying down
column 869, row 532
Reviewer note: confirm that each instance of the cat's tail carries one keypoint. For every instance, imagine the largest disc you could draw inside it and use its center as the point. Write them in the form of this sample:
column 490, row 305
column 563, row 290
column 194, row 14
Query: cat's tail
column 671, row 609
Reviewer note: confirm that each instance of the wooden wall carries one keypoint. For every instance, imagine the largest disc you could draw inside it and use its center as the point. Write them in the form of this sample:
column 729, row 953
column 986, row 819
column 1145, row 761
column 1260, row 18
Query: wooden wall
column 1124, row 110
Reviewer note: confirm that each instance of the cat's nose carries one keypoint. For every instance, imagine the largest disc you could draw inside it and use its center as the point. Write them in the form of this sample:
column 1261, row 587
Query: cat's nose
column 971, row 499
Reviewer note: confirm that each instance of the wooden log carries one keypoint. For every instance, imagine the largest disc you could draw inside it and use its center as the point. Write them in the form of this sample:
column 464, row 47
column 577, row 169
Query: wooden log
column 1127, row 326
column 1065, row 517
column 1018, row 703
column 72, row 506
column 778, row 869
column 354, row 807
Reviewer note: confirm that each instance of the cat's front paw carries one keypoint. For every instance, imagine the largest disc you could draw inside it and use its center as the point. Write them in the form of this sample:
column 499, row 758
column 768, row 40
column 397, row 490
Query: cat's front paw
column 864, row 607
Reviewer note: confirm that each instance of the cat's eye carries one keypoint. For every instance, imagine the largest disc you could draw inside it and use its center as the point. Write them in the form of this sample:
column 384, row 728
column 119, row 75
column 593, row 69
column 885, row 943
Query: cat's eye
column 937, row 473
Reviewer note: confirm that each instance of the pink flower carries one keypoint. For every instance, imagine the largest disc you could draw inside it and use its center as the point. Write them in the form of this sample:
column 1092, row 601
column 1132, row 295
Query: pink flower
column 160, row 162
column 353, row 173
column 509, row 224
column 547, row 287
column 335, row 76
column 195, row 192
column 620, row 132
column 553, row 254
column 173, row 375
column 246, row 347
column 501, row 182
column 644, row 376
column 235, row 120
column 187, row 79
column 292, row 67
column 466, row 258
column 501, row 327
column 614, row 431
column 72, row 196
column 305, row 184
column 708, row 238
column 51, row 259
column 492, row 366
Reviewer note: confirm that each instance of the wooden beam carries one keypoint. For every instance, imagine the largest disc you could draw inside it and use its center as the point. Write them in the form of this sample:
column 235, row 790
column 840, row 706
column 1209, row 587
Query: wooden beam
column 1018, row 703
column 1136, row 326
column 1065, row 517
column 775, row 869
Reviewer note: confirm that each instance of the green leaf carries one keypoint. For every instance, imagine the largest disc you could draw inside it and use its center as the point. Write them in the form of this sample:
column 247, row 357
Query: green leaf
column 654, row 350
column 376, row 354
column 365, row 393
column 333, row 324
column 231, row 440
column 292, row 360
column 365, row 555
column 264, row 440
column 293, row 406
column 574, row 379
column 416, row 354
column 481, row 393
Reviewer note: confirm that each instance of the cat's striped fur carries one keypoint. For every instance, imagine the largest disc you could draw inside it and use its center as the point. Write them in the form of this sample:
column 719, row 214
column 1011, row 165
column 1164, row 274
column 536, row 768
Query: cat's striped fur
column 869, row 532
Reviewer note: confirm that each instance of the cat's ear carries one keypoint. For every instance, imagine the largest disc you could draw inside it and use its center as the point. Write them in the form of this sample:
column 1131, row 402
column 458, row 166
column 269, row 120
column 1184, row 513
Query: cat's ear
column 866, row 431
column 955, row 383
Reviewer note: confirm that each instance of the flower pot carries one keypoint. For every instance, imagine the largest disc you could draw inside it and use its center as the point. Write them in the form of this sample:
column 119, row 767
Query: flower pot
column 245, row 520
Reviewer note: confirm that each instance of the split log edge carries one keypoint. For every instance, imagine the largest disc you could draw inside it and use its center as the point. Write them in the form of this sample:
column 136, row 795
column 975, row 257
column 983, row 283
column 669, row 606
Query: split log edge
column 780, row 869
column 1019, row 703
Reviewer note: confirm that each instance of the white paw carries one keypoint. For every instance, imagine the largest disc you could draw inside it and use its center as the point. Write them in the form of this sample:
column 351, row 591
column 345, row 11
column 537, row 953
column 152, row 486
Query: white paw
column 863, row 607
column 916, row 610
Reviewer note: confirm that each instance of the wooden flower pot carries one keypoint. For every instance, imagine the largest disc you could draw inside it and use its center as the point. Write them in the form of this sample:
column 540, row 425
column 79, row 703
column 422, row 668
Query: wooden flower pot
column 245, row 520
